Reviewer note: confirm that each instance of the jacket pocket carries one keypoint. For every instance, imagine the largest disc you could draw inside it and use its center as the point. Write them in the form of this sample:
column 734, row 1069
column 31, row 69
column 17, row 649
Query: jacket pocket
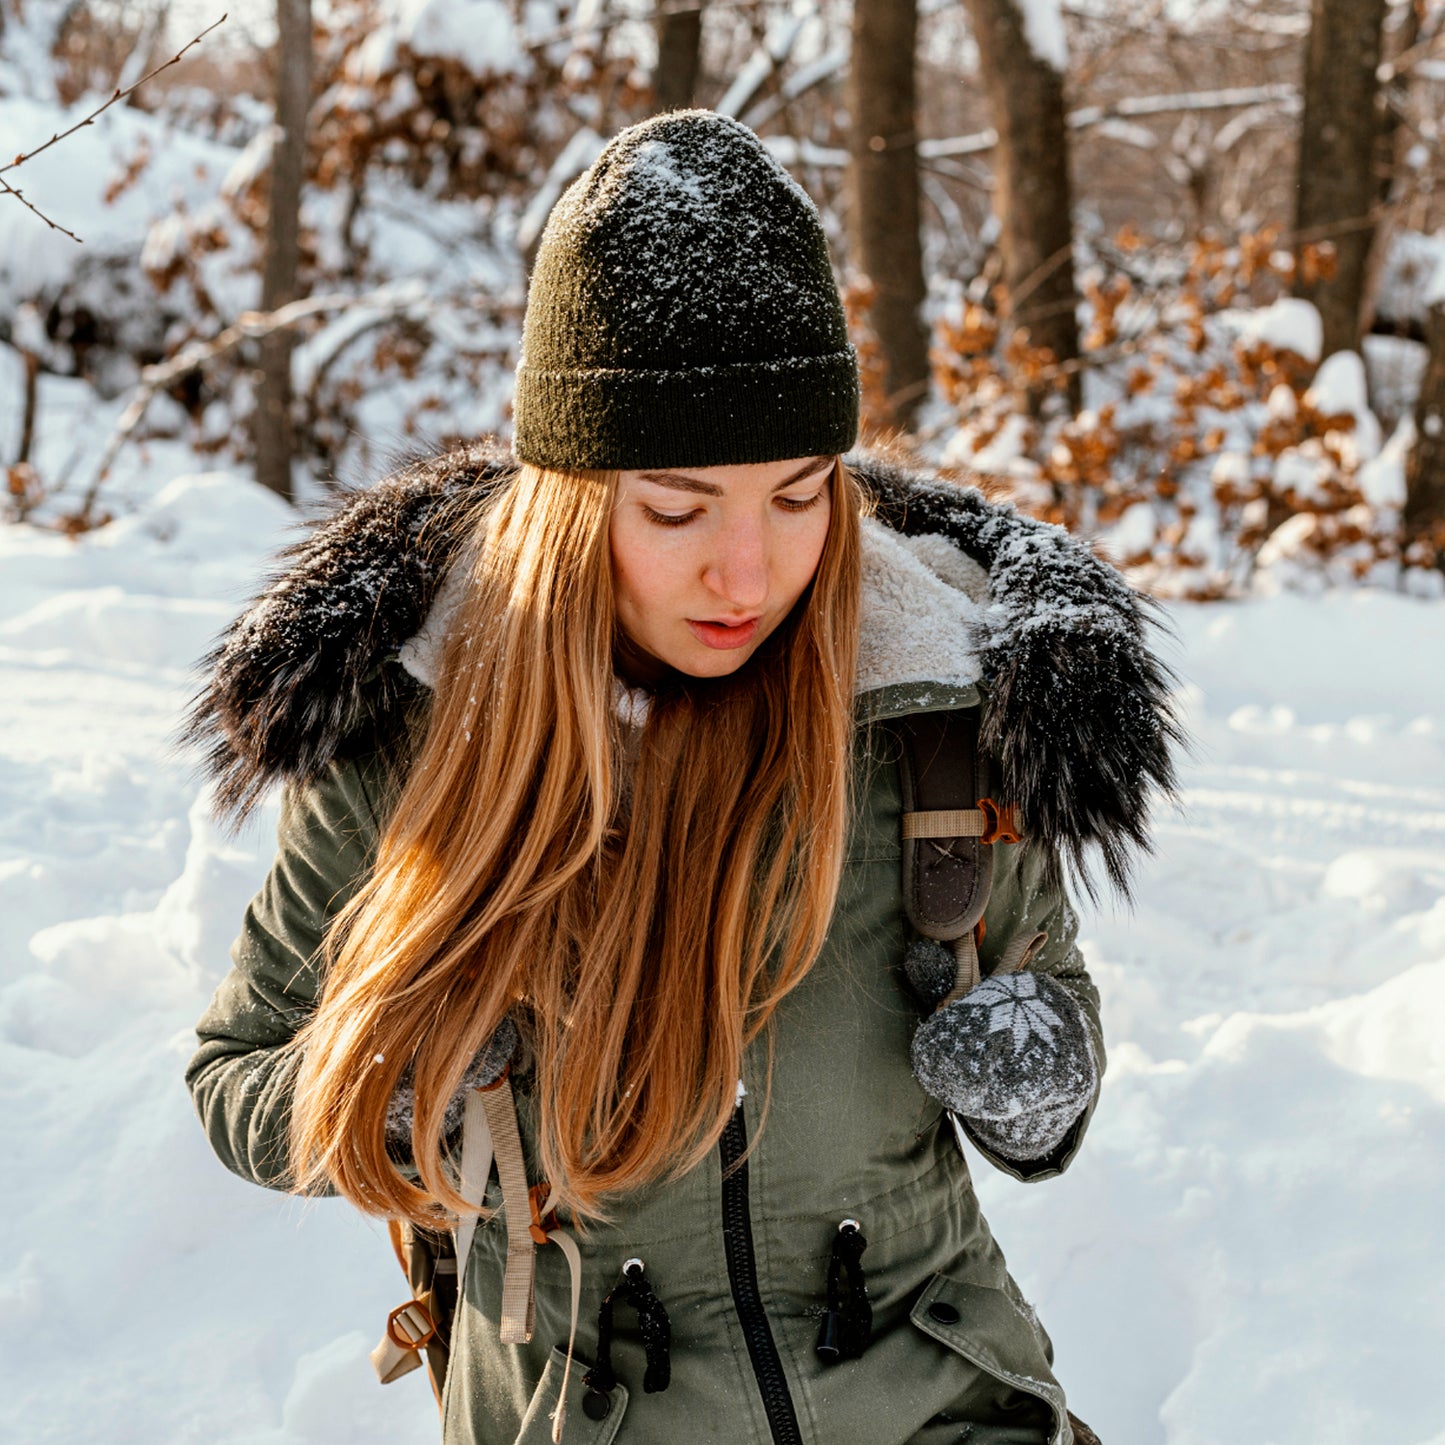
column 989, row 1330
column 589, row 1421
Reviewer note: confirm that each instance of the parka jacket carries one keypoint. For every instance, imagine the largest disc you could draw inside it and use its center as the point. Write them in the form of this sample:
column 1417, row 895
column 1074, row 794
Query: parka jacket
column 966, row 605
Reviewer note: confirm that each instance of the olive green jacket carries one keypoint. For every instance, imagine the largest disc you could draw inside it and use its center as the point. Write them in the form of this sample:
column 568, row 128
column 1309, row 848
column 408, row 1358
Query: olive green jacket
column 739, row 1259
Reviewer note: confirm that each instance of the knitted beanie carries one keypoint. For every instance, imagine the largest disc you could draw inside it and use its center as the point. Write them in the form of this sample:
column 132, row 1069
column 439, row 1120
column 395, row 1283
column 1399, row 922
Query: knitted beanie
column 682, row 311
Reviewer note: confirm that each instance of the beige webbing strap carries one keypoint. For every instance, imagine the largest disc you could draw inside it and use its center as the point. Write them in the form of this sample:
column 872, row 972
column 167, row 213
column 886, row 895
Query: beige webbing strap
column 517, row 1311
column 526, row 1227
column 965, row 951
column 391, row 1359
column 1020, row 951
column 475, row 1170
column 945, row 823
column 568, row 1246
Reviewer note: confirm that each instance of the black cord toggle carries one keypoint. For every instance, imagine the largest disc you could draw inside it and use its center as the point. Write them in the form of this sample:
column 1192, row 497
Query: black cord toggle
column 653, row 1324
column 847, row 1325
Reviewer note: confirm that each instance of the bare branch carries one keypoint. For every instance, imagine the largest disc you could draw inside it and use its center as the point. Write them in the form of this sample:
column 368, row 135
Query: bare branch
column 119, row 94
column 251, row 325
column 6, row 189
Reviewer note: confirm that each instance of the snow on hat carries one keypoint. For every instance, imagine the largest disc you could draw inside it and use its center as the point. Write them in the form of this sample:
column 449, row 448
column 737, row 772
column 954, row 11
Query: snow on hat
column 683, row 312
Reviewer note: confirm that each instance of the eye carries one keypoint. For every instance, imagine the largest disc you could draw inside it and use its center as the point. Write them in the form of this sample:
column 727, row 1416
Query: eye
column 796, row 504
column 668, row 519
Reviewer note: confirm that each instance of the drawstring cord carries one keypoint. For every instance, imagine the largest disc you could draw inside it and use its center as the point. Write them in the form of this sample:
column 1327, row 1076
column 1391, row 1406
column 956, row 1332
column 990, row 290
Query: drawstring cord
column 652, row 1321
column 848, row 1323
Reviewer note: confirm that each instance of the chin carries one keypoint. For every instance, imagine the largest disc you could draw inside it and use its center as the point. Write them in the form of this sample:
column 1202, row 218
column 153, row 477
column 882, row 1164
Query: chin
column 712, row 665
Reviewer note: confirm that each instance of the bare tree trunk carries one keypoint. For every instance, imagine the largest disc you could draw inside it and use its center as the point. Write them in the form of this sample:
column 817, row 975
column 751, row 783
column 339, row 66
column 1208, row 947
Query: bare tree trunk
column 1399, row 38
column 1339, row 136
column 32, row 404
column 1033, row 198
column 679, row 53
column 273, row 437
column 885, row 240
column 1424, row 518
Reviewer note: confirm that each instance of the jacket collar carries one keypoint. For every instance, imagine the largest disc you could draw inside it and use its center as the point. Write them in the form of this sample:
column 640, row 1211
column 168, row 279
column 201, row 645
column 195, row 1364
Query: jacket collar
column 962, row 597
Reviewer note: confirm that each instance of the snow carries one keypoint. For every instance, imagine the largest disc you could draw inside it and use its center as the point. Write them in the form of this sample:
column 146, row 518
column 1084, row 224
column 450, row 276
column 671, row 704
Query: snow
column 1411, row 275
column 70, row 184
column 1044, row 31
column 1244, row 1249
column 1000, row 453
column 1339, row 389
column 1435, row 290
column 1339, row 385
column 1382, row 478
column 479, row 34
column 1288, row 324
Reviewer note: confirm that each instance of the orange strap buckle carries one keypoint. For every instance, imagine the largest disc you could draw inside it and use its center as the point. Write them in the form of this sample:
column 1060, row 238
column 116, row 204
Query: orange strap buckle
column 540, row 1227
column 1000, row 824
column 410, row 1326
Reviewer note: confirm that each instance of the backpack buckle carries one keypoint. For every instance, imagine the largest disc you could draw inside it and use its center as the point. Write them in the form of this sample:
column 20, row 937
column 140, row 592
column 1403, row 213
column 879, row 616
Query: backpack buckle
column 410, row 1326
column 542, row 1225
column 1000, row 824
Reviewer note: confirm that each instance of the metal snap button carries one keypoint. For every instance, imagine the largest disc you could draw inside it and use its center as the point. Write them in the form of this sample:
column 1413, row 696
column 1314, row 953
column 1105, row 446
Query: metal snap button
column 595, row 1405
column 943, row 1312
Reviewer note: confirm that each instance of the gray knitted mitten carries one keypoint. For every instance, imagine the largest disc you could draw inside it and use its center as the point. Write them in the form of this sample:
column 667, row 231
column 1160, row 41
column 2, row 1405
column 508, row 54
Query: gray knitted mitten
column 485, row 1069
column 1014, row 1058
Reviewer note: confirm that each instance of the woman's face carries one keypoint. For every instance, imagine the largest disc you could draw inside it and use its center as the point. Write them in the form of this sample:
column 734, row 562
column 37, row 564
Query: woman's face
column 707, row 561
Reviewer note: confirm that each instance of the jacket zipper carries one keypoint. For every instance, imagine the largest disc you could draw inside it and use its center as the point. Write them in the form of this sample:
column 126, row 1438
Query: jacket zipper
column 743, row 1278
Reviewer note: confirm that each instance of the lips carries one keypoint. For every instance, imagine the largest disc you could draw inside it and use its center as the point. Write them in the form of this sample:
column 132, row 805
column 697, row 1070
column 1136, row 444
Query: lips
column 724, row 636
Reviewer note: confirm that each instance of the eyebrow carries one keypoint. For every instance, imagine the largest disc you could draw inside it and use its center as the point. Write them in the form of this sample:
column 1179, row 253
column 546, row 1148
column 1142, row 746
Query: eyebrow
column 681, row 482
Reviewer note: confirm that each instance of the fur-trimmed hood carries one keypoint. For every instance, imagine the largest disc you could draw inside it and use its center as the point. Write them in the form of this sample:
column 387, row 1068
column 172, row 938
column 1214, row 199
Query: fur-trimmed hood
column 957, row 591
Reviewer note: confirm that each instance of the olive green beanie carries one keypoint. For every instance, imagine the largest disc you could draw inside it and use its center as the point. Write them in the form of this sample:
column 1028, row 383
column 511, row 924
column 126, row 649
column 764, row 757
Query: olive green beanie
column 682, row 311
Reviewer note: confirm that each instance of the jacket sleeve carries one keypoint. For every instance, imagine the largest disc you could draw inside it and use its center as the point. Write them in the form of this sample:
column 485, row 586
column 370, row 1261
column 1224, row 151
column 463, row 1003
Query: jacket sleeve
column 1020, row 904
column 243, row 1072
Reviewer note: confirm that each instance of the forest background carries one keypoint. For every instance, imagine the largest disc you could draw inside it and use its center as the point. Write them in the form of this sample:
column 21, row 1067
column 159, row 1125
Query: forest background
column 1170, row 274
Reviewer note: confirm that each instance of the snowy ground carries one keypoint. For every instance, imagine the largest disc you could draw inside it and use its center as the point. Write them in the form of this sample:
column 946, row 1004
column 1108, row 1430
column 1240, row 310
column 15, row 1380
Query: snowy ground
column 1248, row 1251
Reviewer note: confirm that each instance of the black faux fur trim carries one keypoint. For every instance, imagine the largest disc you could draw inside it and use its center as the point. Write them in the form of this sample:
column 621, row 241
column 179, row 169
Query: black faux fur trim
column 1079, row 717
column 1078, row 712
column 299, row 672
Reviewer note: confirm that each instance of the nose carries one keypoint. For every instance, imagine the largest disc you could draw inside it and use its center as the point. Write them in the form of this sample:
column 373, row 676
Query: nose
column 737, row 571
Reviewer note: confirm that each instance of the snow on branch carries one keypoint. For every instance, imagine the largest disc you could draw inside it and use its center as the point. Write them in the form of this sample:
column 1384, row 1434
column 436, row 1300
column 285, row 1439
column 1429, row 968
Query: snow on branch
column 405, row 298
column 760, row 66
column 1242, row 95
column 802, row 80
column 792, row 152
column 119, row 93
column 574, row 158
column 1044, row 31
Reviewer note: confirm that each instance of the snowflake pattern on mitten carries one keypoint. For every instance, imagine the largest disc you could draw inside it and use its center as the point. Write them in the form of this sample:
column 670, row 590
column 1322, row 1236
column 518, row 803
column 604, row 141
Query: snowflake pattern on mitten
column 1020, row 1008
column 1013, row 1057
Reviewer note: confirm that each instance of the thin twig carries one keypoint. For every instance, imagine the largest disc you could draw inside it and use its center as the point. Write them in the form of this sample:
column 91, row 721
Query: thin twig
column 7, row 189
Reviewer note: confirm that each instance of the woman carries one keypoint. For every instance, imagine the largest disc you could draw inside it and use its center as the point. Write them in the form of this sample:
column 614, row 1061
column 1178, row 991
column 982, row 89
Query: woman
column 593, row 838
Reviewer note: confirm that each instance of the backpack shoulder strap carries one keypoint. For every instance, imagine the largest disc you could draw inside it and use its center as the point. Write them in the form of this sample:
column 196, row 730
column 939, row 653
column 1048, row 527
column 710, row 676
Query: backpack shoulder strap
column 948, row 825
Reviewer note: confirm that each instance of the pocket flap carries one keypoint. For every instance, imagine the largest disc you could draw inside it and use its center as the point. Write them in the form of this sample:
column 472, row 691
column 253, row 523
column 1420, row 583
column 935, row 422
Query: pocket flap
column 990, row 1331
column 582, row 1427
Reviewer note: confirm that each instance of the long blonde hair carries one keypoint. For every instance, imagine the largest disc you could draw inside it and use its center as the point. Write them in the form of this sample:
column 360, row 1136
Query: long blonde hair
column 644, row 918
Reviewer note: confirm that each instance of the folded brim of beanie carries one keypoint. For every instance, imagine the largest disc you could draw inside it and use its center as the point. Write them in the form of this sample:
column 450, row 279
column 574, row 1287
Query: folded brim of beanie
column 701, row 416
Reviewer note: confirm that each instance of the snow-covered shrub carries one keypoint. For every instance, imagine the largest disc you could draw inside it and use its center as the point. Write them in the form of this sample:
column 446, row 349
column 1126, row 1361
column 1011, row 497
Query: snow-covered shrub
column 1216, row 445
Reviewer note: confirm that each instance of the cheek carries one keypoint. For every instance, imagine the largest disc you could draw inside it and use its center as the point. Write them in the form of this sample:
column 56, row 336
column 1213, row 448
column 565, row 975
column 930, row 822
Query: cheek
column 642, row 571
column 804, row 554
